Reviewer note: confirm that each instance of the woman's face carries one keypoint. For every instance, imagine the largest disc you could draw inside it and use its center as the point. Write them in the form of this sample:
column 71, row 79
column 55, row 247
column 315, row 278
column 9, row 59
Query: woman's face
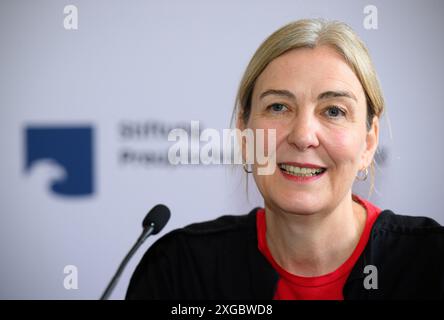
column 318, row 108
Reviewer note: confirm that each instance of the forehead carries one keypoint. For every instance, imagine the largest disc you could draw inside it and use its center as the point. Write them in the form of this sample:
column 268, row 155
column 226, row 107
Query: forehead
column 310, row 71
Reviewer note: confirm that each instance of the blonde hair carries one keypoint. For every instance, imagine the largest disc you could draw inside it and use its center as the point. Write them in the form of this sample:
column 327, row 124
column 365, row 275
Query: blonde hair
column 309, row 33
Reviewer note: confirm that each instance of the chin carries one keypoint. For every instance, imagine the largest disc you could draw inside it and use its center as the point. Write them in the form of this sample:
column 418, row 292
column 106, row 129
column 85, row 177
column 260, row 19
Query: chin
column 304, row 205
column 303, row 210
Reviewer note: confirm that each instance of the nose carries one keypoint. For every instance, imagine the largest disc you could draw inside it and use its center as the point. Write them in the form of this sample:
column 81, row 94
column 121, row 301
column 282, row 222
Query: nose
column 303, row 132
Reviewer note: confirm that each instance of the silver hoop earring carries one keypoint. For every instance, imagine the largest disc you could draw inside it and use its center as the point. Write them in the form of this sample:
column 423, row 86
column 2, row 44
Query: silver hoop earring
column 245, row 165
column 362, row 174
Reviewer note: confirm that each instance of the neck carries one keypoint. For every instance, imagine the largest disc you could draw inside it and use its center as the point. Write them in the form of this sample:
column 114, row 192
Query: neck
column 315, row 244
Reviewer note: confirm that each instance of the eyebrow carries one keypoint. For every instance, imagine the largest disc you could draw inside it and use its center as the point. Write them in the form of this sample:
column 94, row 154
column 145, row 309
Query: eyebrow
column 323, row 96
column 334, row 94
column 282, row 93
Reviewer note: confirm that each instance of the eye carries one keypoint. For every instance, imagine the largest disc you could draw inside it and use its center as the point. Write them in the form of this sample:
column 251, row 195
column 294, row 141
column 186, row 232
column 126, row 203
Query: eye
column 334, row 112
column 277, row 108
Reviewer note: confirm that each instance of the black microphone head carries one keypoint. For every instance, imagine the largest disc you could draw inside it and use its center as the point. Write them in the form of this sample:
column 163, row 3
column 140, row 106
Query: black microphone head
column 157, row 217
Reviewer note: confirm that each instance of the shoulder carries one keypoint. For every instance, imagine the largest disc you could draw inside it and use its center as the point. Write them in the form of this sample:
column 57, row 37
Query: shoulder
column 220, row 225
column 209, row 235
column 225, row 223
column 186, row 262
column 419, row 240
column 388, row 221
column 408, row 254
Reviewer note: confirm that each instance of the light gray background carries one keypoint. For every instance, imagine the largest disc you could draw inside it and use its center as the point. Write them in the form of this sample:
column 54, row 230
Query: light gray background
column 177, row 61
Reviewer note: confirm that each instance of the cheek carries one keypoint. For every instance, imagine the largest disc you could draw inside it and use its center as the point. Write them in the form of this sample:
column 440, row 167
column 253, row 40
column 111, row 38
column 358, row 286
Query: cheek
column 342, row 147
column 273, row 135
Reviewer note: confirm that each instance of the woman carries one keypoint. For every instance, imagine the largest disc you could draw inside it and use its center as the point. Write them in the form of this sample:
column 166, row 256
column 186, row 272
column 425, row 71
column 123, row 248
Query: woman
column 314, row 83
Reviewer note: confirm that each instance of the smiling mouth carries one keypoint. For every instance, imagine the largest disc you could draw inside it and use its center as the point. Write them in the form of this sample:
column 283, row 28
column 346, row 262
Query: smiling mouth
column 301, row 171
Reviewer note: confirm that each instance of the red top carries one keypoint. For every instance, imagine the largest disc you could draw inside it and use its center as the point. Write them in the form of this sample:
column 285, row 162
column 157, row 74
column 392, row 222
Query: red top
column 325, row 287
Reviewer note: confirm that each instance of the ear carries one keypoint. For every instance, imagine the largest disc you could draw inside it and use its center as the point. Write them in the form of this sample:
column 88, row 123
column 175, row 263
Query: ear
column 372, row 140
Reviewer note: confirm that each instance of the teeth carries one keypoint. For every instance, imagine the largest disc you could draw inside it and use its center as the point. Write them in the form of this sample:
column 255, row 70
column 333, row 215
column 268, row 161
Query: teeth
column 302, row 172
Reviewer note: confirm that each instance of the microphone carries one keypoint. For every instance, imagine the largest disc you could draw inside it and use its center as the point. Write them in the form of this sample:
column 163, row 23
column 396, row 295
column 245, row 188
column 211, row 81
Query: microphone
column 154, row 221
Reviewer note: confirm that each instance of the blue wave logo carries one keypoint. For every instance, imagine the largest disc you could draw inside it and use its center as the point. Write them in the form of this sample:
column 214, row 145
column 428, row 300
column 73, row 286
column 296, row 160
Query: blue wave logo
column 71, row 148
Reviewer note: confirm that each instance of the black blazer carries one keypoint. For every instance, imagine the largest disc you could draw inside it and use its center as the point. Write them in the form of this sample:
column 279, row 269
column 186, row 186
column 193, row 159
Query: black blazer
column 220, row 259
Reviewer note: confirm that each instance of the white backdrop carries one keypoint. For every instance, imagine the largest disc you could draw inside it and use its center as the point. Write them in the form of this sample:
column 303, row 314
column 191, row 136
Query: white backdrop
column 135, row 69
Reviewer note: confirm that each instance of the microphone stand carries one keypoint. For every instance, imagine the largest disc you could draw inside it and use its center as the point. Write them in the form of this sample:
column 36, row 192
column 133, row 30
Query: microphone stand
column 145, row 234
